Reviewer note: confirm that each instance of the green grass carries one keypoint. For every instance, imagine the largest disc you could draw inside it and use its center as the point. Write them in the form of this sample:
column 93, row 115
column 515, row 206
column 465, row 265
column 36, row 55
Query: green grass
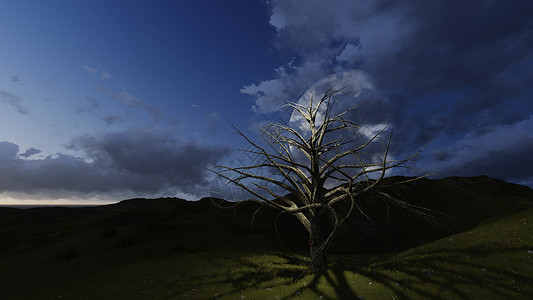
column 491, row 261
column 169, row 249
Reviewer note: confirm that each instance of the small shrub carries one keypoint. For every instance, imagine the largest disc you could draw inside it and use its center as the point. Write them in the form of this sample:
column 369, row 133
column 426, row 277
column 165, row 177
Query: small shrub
column 127, row 242
column 108, row 233
column 68, row 255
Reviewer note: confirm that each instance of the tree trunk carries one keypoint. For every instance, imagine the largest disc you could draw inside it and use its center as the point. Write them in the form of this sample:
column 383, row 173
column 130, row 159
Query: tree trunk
column 316, row 239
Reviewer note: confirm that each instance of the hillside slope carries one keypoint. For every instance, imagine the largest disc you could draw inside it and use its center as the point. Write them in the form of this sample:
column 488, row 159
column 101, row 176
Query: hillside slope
column 45, row 246
column 141, row 249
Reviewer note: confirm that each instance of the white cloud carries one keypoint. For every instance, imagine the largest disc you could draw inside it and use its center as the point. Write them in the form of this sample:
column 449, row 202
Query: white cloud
column 325, row 35
column 369, row 131
column 313, row 24
column 278, row 19
column 271, row 94
column 353, row 84
column 105, row 75
column 90, row 70
column 416, row 54
column 283, row 16
column 214, row 116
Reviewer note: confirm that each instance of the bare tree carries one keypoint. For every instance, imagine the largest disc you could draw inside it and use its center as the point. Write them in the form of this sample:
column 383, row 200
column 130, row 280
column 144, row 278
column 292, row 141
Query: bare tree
column 328, row 151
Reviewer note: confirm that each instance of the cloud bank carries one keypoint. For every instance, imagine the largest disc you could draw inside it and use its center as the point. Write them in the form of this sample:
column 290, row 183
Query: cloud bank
column 448, row 70
column 503, row 151
column 136, row 162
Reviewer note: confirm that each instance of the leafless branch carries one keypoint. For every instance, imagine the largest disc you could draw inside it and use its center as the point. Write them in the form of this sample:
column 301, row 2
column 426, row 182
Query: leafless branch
column 329, row 155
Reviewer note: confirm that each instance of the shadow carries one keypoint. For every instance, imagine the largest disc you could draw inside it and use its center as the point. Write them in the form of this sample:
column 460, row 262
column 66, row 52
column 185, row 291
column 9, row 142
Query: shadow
column 251, row 275
column 338, row 282
column 442, row 274
column 335, row 277
column 459, row 273
column 290, row 271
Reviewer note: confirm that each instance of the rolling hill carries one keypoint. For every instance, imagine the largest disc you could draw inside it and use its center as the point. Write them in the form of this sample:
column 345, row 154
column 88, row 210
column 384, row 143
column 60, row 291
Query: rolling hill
column 51, row 251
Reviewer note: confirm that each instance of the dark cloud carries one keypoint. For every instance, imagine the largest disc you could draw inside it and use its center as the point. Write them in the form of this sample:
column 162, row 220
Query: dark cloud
column 92, row 106
column 469, row 59
column 124, row 97
column 30, row 152
column 154, row 112
column 152, row 152
column 109, row 120
column 15, row 79
column 503, row 151
column 151, row 162
column 14, row 101
column 458, row 44
column 20, row 175
column 448, row 70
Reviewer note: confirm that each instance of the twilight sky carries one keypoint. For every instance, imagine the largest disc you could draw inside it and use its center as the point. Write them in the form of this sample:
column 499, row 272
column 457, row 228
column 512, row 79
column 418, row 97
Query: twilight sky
column 108, row 100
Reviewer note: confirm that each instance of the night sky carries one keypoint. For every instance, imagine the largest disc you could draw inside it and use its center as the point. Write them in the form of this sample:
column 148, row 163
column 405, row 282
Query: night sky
column 108, row 100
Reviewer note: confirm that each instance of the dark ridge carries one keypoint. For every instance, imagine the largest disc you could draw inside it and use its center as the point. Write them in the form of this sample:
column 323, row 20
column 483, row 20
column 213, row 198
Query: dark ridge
column 469, row 201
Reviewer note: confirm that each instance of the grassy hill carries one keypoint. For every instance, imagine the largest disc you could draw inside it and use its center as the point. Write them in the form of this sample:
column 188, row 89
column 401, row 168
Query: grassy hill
column 171, row 248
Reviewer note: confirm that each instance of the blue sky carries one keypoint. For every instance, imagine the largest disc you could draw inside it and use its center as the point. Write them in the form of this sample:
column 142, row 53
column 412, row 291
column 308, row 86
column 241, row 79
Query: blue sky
column 106, row 100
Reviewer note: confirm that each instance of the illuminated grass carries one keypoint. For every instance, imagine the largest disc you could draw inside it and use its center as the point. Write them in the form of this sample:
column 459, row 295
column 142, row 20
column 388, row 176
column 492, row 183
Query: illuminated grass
column 169, row 249
column 493, row 261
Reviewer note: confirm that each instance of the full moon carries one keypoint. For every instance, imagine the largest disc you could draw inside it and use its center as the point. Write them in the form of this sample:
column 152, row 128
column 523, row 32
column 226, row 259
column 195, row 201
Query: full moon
column 357, row 89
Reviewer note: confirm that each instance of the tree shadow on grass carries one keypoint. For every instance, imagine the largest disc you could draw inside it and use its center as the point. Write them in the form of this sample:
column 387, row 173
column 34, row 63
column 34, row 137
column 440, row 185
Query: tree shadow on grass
column 461, row 273
column 334, row 277
column 286, row 270
column 453, row 273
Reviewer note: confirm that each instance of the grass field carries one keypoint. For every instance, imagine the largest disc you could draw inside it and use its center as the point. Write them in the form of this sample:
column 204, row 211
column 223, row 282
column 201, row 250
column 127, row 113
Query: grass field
column 171, row 249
